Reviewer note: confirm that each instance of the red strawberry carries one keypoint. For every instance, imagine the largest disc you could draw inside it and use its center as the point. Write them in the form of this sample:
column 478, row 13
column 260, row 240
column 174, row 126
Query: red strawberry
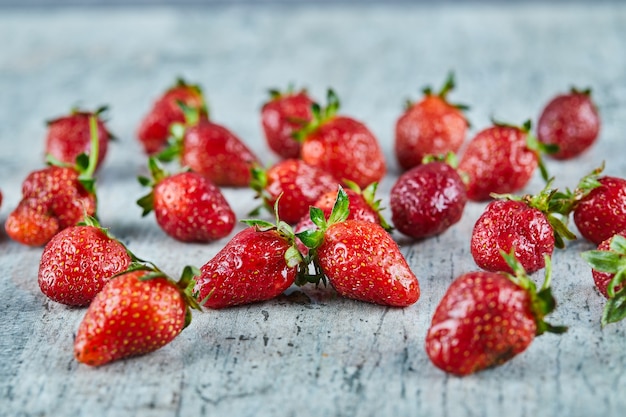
column 70, row 135
column 431, row 126
column 79, row 261
column 359, row 258
column 257, row 264
column 528, row 225
column 608, row 265
column 500, row 159
column 571, row 122
column 136, row 313
column 187, row 206
column 341, row 145
column 210, row 150
column 55, row 198
column 297, row 183
column 154, row 129
column 428, row 199
column 486, row 318
column 284, row 114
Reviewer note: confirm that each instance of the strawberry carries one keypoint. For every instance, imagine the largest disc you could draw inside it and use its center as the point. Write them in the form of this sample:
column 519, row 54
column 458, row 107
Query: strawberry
column 187, row 206
column 137, row 312
column 486, row 318
column 299, row 184
column 571, row 122
column 210, row 150
column 501, row 159
column 341, row 145
column 530, row 226
column 608, row 265
column 431, row 126
column 70, row 135
column 281, row 116
column 429, row 198
column 257, row 264
column 154, row 128
column 359, row 258
column 79, row 261
column 55, row 198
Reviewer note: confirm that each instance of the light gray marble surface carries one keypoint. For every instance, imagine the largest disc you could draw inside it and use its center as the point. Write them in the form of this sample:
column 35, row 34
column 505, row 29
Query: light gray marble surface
column 307, row 353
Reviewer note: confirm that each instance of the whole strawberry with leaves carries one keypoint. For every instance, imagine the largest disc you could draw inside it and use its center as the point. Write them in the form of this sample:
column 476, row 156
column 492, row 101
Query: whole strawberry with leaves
column 608, row 263
column 187, row 205
column 359, row 258
column 79, row 261
column 428, row 199
column 210, row 149
column 297, row 183
column 284, row 114
column 501, row 159
column 55, row 198
column 487, row 318
column 154, row 128
column 341, row 145
column 431, row 126
column 70, row 136
column 528, row 225
column 571, row 122
column 137, row 312
column 257, row 264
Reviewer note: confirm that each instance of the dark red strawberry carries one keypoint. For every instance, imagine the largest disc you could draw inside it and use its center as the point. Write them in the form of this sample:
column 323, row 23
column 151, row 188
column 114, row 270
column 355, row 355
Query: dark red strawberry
column 528, row 225
column 426, row 200
column 136, row 313
column 341, row 145
column 359, row 258
column 500, row 159
column 79, row 261
column 55, row 198
column 608, row 265
column 297, row 183
column 571, row 122
column 210, row 150
column 257, row 264
column 283, row 115
column 486, row 318
column 154, row 129
column 432, row 126
column 187, row 206
column 70, row 135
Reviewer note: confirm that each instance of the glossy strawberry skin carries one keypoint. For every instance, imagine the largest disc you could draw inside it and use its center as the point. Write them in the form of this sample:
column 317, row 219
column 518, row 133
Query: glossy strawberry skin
column 429, row 127
column 426, row 200
column 69, row 136
column 215, row 152
column 78, row 262
column 281, row 117
column 52, row 200
column 190, row 208
column 602, row 213
column 570, row 121
column 483, row 320
column 250, row 268
column 362, row 262
column 300, row 184
column 497, row 160
column 346, row 149
column 130, row 317
column 505, row 225
column 153, row 131
column 602, row 279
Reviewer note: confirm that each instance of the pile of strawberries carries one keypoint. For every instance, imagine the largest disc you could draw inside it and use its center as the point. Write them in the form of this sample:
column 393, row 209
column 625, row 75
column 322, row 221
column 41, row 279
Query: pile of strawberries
column 328, row 226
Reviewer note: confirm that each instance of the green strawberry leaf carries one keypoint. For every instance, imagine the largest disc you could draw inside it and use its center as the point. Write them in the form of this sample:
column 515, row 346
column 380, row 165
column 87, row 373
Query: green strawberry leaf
column 618, row 244
column 312, row 238
column 293, row 257
column 603, row 260
column 317, row 217
column 261, row 225
column 615, row 308
column 341, row 208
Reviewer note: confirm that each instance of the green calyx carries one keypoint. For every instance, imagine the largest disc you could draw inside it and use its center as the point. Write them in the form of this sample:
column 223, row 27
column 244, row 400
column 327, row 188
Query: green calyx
column 174, row 147
column 564, row 202
column 320, row 116
column 542, row 302
column 369, row 196
column 276, row 94
column 157, row 175
column 258, row 183
column 448, row 85
column 583, row 91
column 613, row 262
